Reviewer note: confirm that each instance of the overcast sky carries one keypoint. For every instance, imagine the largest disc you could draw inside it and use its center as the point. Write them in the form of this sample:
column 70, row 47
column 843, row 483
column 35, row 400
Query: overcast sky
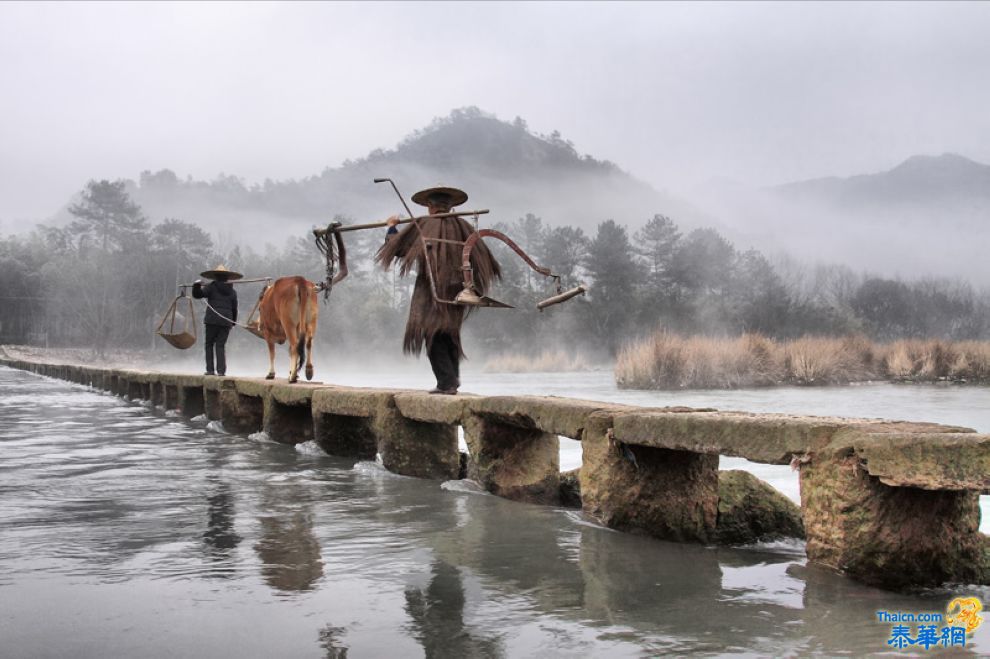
column 674, row 93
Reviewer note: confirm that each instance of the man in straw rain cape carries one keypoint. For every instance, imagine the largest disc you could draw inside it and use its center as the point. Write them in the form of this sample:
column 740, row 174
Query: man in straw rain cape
column 435, row 324
column 221, row 313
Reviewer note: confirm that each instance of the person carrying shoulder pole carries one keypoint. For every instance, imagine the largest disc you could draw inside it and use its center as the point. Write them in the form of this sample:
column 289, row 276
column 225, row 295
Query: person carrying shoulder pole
column 431, row 323
column 221, row 314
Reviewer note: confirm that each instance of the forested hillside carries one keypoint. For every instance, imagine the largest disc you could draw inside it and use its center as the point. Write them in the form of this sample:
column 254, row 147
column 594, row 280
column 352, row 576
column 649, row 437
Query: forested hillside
column 103, row 273
column 105, row 278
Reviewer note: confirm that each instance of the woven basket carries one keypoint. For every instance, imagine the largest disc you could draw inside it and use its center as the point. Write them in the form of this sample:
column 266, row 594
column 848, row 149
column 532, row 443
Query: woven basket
column 184, row 337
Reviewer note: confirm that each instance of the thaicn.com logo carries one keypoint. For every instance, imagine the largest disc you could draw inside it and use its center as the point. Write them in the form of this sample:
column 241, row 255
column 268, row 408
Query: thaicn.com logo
column 929, row 629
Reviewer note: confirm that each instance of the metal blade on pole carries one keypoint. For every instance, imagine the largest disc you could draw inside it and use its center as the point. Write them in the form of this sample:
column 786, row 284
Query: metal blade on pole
column 469, row 298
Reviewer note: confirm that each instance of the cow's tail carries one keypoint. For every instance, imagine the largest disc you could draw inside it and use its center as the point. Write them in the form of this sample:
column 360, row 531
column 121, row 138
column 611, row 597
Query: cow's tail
column 302, row 290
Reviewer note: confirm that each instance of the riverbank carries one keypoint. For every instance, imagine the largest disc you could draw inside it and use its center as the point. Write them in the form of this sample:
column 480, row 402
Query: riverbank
column 669, row 361
column 84, row 356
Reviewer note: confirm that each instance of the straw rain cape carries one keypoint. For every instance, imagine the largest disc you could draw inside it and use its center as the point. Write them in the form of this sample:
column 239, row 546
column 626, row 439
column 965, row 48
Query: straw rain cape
column 426, row 316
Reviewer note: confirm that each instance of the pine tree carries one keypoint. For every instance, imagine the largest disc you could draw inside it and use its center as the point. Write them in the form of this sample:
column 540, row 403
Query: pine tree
column 615, row 277
column 107, row 218
column 656, row 243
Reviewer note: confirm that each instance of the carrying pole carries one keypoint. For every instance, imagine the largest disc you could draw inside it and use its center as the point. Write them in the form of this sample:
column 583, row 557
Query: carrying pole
column 235, row 281
column 379, row 225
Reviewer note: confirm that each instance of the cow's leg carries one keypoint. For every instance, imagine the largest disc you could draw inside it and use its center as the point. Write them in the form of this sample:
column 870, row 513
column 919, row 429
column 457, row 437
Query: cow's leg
column 292, row 336
column 310, row 333
column 309, row 356
column 271, row 360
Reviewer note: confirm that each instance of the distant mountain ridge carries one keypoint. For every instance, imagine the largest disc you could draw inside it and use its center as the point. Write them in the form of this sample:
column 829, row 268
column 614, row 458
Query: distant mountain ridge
column 928, row 215
column 471, row 137
column 502, row 165
column 922, row 179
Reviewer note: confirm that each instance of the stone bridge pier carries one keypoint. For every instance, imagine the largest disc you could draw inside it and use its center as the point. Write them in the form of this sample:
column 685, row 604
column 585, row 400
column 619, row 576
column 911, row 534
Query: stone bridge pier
column 344, row 422
column 893, row 504
column 901, row 523
column 287, row 414
column 513, row 458
column 242, row 406
column 663, row 492
column 416, row 444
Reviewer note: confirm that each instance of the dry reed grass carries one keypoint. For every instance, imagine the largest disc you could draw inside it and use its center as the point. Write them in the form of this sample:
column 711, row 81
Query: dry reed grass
column 972, row 361
column 670, row 361
column 550, row 361
column 827, row 360
column 935, row 359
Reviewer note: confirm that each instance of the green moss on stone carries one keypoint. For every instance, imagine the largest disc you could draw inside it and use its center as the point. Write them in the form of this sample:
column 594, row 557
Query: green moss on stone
column 750, row 510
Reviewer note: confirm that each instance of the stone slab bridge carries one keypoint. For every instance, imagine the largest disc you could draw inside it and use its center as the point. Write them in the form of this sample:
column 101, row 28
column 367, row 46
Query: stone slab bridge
column 893, row 504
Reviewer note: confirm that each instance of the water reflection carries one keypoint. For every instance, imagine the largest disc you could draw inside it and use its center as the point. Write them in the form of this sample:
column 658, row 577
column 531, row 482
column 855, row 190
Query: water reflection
column 438, row 617
column 662, row 597
column 331, row 642
column 520, row 548
column 109, row 515
column 220, row 539
column 288, row 548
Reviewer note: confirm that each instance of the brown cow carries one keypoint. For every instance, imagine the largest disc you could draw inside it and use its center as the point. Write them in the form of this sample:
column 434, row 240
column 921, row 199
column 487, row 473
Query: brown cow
column 288, row 312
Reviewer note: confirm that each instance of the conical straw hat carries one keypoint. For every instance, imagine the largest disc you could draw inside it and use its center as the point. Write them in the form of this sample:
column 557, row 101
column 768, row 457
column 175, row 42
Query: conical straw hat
column 221, row 270
column 457, row 197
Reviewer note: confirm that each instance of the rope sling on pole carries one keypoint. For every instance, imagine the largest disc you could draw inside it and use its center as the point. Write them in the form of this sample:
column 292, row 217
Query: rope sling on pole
column 248, row 326
column 186, row 337
column 332, row 256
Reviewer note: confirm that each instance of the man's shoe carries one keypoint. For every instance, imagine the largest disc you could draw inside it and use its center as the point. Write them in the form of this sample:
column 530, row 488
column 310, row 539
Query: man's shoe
column 447, row 392
column 209, row 373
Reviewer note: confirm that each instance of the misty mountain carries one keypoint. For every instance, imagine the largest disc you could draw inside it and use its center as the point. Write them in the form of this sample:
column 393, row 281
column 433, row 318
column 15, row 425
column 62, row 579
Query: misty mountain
column 503, row 166
column 929, row 215
column 920, row 182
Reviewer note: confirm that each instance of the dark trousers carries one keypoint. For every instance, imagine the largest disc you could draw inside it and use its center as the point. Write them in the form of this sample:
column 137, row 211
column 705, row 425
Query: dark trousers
column 216, row 337
column 445, row 360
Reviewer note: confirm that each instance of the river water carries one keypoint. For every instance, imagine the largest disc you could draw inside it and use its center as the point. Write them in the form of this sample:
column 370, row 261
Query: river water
column 126, row 532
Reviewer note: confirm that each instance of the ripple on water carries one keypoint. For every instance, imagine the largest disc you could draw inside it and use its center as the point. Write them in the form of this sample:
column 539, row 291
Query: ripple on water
column 216, row 426
column 376, row 470
column 310, row 448
column 464, row 486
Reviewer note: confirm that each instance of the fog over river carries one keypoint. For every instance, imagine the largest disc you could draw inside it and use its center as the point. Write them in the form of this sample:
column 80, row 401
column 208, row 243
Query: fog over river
column 126, row 531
